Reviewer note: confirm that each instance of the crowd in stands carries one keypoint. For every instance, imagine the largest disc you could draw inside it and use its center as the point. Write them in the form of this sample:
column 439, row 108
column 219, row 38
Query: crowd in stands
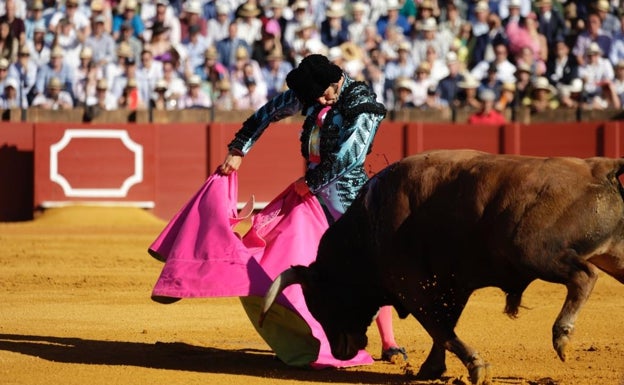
column 235, row 54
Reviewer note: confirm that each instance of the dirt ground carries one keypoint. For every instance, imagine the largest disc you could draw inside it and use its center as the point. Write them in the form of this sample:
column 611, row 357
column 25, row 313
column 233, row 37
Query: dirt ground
column 76, row 309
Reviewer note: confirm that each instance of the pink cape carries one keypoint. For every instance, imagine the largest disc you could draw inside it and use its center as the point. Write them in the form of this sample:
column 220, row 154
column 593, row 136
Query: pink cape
column 204, row 257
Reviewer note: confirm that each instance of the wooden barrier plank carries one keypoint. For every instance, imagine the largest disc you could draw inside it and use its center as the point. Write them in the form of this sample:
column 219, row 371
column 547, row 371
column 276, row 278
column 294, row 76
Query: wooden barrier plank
column 387, row 147
column 562, row 139
column 429, row 136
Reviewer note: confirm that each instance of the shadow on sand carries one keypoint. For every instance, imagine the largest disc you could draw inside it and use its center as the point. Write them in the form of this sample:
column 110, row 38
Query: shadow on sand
column 182, row 356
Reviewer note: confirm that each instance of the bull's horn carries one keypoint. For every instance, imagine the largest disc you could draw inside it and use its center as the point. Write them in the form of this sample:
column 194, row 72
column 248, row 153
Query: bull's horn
column 285, row 279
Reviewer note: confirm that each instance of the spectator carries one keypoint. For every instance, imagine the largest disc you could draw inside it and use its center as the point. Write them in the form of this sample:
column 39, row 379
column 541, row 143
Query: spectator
column 403, row 67
column 101, row 8
column 390, row 42
column 10, row 98
column 523, row 80
column 491, row 82
column 192, row 16
column 164, row 14
column 571, row 96
column 514, row 16
column 57, row 69
column 54, row 97
column 359, row 20
column 116, row 68
column 334, row 29
column 244, row 69
column 224, row 101
column 426, row 9
column 429, row 37
column 150, row 70
column 593, row 33
column 103, row 100
column 505, row 7
column 277, row 15
column 24, row 71
column 76, row 20
column 618, row 82
column 249, row 25
column 374, row 76
column 212, row 70
column 527, row 57
column 466, row 98
column 86, row 83
column 173, row 81
column 371, row 40
column 300, row 16
column 269, row 42
column 219, row 26
column 507, row 98
column 463, row 44
column 130, row 87
column 526, row 36
column 480, row 18
column 486, row 113
column 422, row 84
column 485, row 44
column 9, row 44
column 452, row 23
column 130, row 98
column 16, row 24
column 504, row 68
column 227, row 48
column 447, row 88
column 101, row 42
column 162, row 99
column 127, row 37
column 439, row 69
column 403, row 98
column 34, row 19
column 395, row 18
column 606, row 98
column 128, row 15
column 562, row 68
column 39, row 51
column 67, row 39
column 551, row 24
column 274, row 73
column 252, row 97
column 543, row 96
column 196, row 47
column 596, row 71
column 160, row 45
column 610, row 23
column 195, row 97
column 307, row 42
column 4, row 73
column 617, row 45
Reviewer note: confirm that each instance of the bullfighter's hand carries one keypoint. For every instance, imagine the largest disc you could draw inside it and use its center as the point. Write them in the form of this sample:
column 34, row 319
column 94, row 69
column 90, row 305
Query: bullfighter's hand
column 231, row 163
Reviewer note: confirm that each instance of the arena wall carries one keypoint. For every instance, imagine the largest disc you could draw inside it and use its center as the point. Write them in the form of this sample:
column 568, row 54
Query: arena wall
column 159, row 166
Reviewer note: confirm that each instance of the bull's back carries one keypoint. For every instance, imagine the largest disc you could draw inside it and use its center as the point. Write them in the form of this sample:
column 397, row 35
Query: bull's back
column 494, row 205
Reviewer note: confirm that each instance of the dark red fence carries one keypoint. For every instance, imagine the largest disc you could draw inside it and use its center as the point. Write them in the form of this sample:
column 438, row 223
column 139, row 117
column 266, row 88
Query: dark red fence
column 160, row 166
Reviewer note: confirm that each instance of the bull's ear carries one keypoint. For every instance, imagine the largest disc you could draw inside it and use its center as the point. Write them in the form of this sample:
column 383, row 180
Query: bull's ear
column 294, row 275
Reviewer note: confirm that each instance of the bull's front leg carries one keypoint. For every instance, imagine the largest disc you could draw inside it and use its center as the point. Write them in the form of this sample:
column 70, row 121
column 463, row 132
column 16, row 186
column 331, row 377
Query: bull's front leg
column 580, row 285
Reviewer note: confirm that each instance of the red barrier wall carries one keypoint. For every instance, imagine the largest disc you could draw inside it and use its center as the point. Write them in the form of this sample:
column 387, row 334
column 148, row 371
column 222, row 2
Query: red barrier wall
column 274, row 162
column 430, row 136
column 55, row 164
column 16, row 171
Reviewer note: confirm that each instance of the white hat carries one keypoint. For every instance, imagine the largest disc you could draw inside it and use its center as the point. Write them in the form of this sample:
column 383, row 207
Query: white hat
column 86, row 53
column 11, row 82
column 429, row 24
column 393, row 5
column 514, row 3
column 451, row 57
column 593, row 48
column 192, row 6
column 482, row 6
column 300, row 4
column 335, row 10
column 194, row 80
column 542, row 83
column 4, row 63
column 405, row 83
column 576, row 85
column 468, row 82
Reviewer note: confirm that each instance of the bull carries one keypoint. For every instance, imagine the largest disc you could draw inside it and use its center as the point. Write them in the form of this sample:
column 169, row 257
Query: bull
column 429, row 230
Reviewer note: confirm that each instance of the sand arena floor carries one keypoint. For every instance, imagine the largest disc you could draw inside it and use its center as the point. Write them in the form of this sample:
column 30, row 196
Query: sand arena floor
column 76, row 309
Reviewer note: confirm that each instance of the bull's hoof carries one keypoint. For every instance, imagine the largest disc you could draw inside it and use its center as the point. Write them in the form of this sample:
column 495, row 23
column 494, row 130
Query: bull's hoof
column 561, row 339
column 479, row 372
column 429, row 372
